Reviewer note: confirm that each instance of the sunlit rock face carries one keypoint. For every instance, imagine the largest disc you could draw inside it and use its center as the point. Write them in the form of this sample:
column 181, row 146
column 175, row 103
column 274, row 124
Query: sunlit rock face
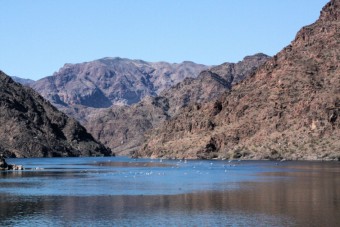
column 289, row 109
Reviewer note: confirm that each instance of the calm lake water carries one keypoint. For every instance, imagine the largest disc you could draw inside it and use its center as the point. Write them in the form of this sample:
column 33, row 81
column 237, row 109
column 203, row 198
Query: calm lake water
column 118, row 191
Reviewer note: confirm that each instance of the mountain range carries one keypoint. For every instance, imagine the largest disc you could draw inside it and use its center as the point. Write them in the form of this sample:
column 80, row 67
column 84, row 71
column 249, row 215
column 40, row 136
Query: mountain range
column 119, row 100
column 123, row 128
column 281, row 107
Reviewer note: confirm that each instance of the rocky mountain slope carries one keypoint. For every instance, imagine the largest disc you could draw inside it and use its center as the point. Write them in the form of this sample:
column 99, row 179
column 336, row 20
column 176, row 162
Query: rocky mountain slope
column 288, row 110
column 31, row 127
column 210, row 84
column 111, row 81
column 123, row 128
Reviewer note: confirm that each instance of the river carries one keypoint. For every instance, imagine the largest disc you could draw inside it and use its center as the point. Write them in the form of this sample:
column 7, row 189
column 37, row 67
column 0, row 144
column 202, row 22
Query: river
column 119, row 191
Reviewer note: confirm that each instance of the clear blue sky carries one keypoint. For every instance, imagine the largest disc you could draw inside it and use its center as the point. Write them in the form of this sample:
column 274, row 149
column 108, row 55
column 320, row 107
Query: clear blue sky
column 39, row 36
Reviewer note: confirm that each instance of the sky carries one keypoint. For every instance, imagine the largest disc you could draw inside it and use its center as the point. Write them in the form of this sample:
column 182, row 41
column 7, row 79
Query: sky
column 40, row 36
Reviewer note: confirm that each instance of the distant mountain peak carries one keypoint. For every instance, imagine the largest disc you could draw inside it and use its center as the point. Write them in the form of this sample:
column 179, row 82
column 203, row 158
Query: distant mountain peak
column 22, row 81
column 109, row 81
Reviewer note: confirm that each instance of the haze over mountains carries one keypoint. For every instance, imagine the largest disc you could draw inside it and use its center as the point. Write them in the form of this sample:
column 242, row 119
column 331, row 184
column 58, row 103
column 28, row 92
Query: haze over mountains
column 22, row 80
column 288, row 110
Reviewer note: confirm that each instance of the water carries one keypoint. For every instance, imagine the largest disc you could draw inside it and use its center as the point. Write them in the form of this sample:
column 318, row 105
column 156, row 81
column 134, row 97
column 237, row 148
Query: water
column 126, row 192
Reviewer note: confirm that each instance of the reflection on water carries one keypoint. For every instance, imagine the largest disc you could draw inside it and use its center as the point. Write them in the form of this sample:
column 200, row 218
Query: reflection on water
column 205, row 209
column 196, row 193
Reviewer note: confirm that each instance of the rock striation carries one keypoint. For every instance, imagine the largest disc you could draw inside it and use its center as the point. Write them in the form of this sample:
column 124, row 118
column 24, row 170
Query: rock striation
column 123, row 128
column 289, row 109
column 31, row 127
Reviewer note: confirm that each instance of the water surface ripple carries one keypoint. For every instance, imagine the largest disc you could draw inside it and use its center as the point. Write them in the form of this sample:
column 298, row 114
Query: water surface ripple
column 118, row 191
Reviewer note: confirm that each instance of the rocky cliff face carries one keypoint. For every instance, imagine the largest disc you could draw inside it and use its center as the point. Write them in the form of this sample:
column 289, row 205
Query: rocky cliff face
column 31, row 127
column 210, row 84
column 123, row 128
column 112, row 81
column 288, row 110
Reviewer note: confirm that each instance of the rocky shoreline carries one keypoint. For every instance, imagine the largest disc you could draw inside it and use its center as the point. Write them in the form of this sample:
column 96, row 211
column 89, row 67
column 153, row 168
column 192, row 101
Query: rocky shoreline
column 4, row 166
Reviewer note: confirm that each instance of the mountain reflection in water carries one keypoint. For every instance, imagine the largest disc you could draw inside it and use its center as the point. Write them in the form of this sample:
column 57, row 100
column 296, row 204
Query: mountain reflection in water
column 287, row 194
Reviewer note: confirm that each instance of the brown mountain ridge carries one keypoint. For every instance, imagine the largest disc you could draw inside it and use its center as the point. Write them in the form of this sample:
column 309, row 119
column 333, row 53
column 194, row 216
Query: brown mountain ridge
column 31, row 127
column 289, row 109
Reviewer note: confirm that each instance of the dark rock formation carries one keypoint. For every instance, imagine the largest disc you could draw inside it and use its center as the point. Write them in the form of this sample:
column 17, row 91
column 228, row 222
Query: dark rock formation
column 3, row 163
column 5, row 166
column 288, row 110
column 123, row 128
column 31, row 127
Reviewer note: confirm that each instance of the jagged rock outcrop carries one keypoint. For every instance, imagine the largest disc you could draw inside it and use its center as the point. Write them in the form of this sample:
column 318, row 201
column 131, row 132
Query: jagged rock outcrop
column 112, row 81
column 288, row 110
column 31, row 127
column 123, row 128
